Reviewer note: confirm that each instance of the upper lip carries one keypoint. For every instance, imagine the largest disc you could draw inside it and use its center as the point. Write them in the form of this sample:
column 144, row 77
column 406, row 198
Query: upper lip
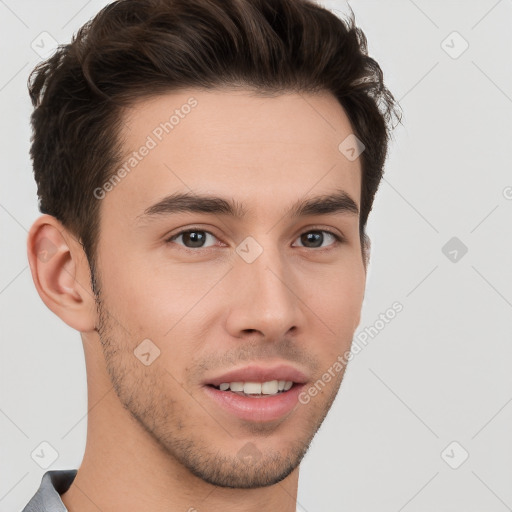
column 258, row 373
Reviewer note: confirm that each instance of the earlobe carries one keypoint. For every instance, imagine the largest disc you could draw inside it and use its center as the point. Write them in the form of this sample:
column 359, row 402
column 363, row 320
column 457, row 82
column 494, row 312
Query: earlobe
column 60, row 273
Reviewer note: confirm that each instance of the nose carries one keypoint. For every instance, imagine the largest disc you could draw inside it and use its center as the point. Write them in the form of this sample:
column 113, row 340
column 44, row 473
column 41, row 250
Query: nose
column 263, row 296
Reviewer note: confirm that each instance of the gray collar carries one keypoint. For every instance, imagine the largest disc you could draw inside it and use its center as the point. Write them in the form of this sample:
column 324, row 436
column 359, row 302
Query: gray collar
column 53, row 484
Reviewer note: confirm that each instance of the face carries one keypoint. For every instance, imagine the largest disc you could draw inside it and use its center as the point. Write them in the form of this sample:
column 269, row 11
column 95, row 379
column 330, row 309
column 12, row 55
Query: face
column 244, row 289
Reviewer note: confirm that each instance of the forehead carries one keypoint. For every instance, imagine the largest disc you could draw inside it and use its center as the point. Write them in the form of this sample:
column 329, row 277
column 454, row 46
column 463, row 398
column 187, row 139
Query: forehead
column 268, row 149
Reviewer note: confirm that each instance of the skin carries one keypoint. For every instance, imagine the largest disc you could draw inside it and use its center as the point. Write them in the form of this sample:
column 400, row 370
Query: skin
column 155, row 441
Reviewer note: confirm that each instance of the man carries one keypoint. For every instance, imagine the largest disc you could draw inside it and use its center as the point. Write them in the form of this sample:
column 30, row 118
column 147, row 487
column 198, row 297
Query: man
column 205, row 171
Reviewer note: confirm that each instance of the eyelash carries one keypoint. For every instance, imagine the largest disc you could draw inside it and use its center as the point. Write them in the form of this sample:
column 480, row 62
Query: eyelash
column 338, row 238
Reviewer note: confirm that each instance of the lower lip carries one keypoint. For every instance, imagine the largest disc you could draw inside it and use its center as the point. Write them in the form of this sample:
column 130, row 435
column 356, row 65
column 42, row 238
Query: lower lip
column 257, row 409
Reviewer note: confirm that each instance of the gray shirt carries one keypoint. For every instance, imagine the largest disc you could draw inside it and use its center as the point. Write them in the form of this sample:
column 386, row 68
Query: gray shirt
column 53, row 484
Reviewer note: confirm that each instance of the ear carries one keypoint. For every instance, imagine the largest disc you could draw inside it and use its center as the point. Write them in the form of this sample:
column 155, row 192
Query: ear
column 61, row 273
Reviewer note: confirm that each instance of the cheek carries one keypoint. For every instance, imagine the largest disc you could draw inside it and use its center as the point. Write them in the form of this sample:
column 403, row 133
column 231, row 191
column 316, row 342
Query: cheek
column 139, row 300
column 336, row 304
column 170, row 305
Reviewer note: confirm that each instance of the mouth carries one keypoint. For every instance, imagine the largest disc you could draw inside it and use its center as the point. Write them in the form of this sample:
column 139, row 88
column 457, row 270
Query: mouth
column 256, row 393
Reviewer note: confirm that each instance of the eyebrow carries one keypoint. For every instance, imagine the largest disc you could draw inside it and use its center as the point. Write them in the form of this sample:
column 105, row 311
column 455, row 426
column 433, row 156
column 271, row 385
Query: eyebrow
column 338, row 202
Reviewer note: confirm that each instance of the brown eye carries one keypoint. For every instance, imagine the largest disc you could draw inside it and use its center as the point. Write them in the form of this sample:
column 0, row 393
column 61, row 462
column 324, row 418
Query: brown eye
column 315, row 238
column 192, row 238
column 196, row 238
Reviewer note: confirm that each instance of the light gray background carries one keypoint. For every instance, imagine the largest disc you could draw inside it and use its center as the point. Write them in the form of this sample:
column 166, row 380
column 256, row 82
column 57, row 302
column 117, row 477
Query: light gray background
column 437, row 373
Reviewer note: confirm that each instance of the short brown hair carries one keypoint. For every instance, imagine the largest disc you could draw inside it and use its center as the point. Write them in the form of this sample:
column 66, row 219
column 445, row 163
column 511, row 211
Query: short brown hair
column 140, row 48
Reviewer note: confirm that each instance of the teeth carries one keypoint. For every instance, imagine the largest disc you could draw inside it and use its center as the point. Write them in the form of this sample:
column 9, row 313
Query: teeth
column 271, row 387
column 252, row 388
column 236, row 386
